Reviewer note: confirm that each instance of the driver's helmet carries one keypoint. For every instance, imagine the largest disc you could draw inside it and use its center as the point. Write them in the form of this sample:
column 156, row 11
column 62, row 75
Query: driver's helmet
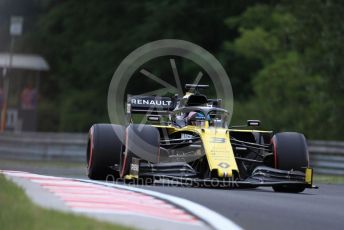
column 195, row 118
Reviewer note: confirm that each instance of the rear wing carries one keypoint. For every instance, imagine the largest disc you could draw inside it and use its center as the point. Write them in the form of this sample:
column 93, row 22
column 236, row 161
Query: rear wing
column 149, row 104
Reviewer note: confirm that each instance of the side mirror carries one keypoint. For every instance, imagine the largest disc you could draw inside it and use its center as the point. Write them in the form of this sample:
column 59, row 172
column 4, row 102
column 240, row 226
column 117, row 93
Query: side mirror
column 153, row 118
column 254, row 123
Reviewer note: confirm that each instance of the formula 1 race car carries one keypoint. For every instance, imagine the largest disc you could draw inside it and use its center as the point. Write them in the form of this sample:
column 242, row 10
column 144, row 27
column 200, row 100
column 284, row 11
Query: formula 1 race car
column 188, row 140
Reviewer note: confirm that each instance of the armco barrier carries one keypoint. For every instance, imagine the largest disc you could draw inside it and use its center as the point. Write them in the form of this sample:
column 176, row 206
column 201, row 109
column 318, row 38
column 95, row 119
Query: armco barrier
column 327, row 157
column 43, row 146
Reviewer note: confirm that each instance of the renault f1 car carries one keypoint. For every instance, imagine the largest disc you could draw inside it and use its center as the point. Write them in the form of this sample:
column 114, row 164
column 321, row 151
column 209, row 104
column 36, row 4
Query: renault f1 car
column 188, row 140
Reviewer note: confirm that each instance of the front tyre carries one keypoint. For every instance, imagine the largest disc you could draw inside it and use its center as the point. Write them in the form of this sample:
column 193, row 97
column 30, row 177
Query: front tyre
column 142, row 142
column 103, row 150
column 290, row 153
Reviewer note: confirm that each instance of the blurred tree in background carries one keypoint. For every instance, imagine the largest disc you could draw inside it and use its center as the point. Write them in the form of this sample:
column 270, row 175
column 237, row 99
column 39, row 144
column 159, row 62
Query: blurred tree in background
column 85, row 41
column 299, row 47
column 284, row 58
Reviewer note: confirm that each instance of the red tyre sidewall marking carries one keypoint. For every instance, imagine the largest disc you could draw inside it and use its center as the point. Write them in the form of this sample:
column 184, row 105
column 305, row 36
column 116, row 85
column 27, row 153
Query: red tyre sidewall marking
column 125, row 153
column 91, row 148
column 275, row 152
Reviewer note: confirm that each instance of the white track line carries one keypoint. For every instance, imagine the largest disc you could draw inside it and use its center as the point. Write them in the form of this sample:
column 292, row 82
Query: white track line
column 212, row 218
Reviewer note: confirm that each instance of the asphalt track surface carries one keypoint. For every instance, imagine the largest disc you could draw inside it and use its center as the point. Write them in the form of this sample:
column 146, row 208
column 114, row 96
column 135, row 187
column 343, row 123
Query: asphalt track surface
column 265, row 209
column 262, row 208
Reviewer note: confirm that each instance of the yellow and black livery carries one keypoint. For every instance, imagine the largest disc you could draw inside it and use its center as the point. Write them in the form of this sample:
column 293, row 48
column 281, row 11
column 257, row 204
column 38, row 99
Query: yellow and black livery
column 188, row 139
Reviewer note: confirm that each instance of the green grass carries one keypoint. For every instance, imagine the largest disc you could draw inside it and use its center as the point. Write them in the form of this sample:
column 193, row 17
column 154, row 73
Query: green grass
column 328, row 179
column 18, row 212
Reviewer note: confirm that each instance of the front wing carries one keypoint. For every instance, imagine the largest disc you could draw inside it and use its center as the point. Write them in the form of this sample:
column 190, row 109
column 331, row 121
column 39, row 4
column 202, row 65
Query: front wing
column 184, row 174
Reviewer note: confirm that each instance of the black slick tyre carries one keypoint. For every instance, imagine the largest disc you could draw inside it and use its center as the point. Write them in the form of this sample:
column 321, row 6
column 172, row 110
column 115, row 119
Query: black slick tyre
column 290, row 153
column 142, row 142
column 103, row 150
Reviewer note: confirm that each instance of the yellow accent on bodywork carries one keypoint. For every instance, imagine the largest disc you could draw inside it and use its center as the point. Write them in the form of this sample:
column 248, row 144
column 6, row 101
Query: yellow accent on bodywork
column 309, row 176
column 218, row 153
column 218, row 150
column 250, row 130
column 130, row 177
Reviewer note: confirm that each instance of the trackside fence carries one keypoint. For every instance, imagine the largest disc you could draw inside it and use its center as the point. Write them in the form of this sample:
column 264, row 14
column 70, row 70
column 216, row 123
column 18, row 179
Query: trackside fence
column 327, row 157
column 43, row 146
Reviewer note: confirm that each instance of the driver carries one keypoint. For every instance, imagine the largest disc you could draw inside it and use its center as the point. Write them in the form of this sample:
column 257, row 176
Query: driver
column 195, row 118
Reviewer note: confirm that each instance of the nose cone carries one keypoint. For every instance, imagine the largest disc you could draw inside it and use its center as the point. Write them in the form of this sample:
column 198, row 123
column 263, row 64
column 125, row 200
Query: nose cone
column 219, row 152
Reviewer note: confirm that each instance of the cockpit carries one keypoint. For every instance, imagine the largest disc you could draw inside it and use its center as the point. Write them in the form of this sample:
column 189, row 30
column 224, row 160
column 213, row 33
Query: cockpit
column 202, row 118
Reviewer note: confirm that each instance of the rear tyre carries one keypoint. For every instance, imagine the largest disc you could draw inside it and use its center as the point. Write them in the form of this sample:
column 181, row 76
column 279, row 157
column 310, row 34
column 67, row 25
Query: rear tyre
column 290, row 152
column 142, row 142
column 103, row 151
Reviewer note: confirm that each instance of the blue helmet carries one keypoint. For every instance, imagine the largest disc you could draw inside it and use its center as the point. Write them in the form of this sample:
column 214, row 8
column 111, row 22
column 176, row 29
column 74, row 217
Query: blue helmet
column 196, row 116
